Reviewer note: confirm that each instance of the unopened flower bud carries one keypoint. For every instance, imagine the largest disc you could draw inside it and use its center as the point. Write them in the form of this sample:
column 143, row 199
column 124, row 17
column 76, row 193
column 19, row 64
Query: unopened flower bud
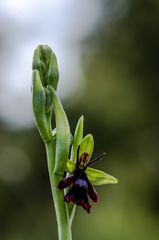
column 44, row 60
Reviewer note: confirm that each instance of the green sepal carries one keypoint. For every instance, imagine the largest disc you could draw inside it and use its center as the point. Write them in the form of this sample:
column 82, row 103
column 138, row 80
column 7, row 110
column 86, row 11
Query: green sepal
column 87, row 146
column 78, row 136
column 97, row 177
column 63, row 136
column 44, row 60
column 70, row 166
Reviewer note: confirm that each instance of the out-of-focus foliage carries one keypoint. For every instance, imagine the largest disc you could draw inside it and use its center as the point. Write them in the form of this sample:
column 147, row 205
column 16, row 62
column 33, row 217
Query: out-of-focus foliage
column 120, row 105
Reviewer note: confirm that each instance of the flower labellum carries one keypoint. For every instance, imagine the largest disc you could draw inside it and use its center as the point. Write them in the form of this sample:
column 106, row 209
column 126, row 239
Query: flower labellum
column 80, row 187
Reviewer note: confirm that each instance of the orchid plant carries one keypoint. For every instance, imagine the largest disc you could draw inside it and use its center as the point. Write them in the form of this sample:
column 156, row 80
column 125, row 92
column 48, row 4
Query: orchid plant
column 72, row 179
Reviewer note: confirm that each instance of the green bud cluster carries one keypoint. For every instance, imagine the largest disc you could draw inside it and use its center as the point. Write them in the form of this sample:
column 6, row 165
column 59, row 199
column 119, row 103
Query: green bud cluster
column 44, row 60
column 44, row 84
column 45, row 74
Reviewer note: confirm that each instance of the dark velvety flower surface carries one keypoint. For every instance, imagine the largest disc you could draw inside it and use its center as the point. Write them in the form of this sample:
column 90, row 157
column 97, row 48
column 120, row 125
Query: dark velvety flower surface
column 80, row 189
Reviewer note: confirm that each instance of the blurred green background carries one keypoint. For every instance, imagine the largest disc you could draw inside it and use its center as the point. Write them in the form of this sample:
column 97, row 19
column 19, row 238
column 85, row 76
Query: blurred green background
column 115, row 84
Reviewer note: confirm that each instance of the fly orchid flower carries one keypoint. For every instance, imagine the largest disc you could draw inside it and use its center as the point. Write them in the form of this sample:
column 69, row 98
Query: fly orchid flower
column 82, row 177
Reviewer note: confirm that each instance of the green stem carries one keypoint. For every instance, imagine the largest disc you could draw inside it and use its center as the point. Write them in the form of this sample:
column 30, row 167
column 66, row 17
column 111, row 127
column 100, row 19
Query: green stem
column 64, row 227
column 72, row 213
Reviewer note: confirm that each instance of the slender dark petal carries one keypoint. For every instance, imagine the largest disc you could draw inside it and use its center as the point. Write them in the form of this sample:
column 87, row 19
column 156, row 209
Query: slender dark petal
column 92, row 193
column 66, row 182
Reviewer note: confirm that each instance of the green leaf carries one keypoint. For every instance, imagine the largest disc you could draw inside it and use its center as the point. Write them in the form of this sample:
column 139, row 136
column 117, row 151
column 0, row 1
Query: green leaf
column 87, row 146
column 97, row 177
column 62, row 134
column 78, row 136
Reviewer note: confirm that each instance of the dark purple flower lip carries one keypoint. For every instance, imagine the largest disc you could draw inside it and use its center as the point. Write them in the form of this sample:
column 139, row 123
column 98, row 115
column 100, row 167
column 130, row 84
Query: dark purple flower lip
column 80, row 190
column 80, row 187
